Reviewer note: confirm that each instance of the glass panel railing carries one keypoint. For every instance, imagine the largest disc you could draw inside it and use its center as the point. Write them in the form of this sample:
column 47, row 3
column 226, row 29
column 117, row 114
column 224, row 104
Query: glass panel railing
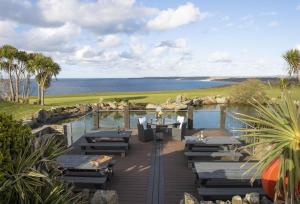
column 111, row 119
column 168, row 116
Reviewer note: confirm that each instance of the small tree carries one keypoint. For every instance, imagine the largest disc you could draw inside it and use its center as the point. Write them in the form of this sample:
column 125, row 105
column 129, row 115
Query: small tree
column 292, row 57
column 7, row 56
column 248, row 90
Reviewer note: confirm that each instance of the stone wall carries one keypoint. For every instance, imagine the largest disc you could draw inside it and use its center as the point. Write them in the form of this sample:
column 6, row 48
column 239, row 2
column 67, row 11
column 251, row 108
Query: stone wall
column 56, row 114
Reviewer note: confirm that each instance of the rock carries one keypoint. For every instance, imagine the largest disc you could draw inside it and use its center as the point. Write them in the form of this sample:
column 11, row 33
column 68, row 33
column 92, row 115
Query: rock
column 41, row 116
column 252, row 198
column 197, row 101
column 187, row 102
column 221, row 100
column 237, row 200
column 265, row 200
column 189, row 199
column 223, row 202
column 180, row 99
column 169, row 106
column 151, row 106
column 170, row 100
column 209, row 100
column 181, row 107
column 113, row 105
column 105, row 197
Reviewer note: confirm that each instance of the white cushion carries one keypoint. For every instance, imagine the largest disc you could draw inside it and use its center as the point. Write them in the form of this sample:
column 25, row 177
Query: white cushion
column 180, row 119
column 143, row 121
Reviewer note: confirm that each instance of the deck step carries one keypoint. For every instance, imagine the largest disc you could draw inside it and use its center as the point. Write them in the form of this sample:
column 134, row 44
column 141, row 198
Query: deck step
column 228, row 191
column 213, row 154
column 85, row 179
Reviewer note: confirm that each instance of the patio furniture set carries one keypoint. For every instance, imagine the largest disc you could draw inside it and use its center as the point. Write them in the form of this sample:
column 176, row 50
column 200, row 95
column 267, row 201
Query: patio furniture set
column 93, row 168
column 156, row 129
column 112, row 142
column 219, row 178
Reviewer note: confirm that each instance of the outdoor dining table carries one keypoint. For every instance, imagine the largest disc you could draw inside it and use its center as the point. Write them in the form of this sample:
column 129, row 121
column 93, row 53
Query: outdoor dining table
column 83, row 163
column 210, row 141
column 161, row 126
column 108, row 135
column 224, row 170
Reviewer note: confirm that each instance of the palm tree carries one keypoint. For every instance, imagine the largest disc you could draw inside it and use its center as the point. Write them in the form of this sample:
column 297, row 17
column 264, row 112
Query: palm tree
column 20, row 68
column 292, row 57
column 7, row 56
column 45, row 68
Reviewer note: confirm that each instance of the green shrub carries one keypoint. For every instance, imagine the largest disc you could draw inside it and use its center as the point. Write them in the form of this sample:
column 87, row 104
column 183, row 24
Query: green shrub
column 248, row 90
column 14, row 137
column 28, row 170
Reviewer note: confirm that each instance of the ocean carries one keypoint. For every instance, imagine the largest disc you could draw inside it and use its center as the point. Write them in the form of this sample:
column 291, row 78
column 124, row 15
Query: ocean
column 75, row 86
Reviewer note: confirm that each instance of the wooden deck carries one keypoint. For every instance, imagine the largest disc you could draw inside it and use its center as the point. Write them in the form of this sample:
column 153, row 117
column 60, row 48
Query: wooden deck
column 154, row 174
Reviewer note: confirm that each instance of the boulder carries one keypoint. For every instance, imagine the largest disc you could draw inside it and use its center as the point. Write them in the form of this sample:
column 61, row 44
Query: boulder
column 169, row 106
column 150, row 106
column 170, row 100
column 180, row 99
column 221, row 100
column 105, row 197
column 209, row 100
column 252, row 198
column 189, row 199
column 197, row 101
column 237, row 200
column 181, row 107
column 187, row 102
column 42, row 115
column 113, row 105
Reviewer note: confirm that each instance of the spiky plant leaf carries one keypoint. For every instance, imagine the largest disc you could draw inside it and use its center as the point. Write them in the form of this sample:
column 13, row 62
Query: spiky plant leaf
column 277, row 127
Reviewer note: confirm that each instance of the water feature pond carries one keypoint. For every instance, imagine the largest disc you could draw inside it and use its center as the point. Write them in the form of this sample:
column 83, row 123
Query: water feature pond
column 203, row 117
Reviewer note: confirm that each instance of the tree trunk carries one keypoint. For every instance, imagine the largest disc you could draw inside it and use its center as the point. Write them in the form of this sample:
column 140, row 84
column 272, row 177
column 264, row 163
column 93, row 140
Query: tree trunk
column 11, row 85
column 17, row 87
column 39, row 94
column 42, row 95
column 27, row 88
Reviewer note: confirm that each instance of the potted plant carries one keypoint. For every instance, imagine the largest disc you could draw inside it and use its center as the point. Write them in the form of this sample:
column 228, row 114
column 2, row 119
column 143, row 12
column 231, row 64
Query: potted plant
column 276, row 136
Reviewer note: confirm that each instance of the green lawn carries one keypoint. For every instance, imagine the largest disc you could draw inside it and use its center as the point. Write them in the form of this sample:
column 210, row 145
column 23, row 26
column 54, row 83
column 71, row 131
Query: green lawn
column 21, row 110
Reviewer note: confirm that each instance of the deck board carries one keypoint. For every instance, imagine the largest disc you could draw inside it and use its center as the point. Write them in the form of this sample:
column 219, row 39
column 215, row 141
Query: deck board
column 132, row 173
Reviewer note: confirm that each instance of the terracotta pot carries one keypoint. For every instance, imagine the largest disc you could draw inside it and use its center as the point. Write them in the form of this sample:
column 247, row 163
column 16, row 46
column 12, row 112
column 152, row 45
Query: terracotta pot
column 269, row 178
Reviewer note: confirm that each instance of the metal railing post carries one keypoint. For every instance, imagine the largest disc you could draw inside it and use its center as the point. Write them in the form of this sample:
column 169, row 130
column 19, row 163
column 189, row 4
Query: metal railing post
column 190, row 117
column 127, row 117
column 222, row 117
column 96, row 117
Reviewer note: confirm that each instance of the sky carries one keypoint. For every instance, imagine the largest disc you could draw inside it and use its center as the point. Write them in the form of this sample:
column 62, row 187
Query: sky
column 142, row 38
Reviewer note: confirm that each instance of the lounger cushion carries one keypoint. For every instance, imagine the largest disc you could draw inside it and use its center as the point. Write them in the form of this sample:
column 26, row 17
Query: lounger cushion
column 143, row 121
column 180, row 119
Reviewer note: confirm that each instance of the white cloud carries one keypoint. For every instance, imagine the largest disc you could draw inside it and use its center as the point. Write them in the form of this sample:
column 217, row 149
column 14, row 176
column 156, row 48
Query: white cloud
column 51, row 39
column 109, row 41
column 273, row 24
column 219, row 56
column 298, row 47
column 172, row 18
column 177, row 46
column 101, row 16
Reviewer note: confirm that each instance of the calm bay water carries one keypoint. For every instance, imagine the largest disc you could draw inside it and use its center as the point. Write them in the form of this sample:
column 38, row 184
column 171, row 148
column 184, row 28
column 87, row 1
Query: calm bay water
column 74, row 86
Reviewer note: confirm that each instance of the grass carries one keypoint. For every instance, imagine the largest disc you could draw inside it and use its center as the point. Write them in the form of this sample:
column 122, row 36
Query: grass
column 21, row 110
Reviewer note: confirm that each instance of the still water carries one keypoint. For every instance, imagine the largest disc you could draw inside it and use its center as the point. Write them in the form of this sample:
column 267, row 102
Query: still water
column 203, row 117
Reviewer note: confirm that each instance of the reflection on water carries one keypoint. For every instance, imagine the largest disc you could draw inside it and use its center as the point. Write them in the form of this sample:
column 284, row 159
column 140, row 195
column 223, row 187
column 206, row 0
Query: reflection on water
column 203, row 117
